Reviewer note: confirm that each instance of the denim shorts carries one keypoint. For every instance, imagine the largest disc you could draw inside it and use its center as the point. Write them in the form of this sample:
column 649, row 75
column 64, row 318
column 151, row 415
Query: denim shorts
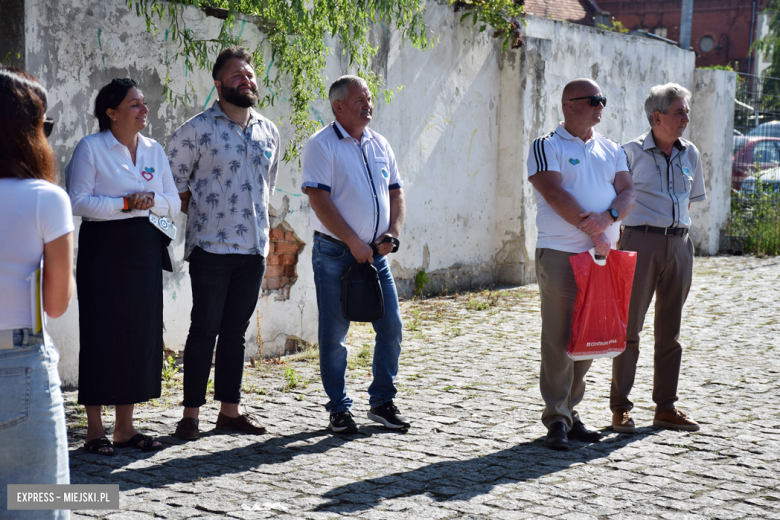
column 32, row 420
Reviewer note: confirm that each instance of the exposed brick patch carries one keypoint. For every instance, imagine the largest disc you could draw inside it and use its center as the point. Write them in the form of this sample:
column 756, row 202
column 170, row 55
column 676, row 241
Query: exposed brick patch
column 280, row 265
column 294, row 344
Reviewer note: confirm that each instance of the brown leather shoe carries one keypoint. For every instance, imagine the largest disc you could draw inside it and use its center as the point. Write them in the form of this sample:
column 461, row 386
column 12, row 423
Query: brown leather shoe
column 622, row 421
column 674, row 419
column 247, row 423
column 187, row 429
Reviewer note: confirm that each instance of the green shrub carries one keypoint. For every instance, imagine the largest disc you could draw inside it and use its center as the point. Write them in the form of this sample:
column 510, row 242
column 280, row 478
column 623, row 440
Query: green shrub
column 755, row 218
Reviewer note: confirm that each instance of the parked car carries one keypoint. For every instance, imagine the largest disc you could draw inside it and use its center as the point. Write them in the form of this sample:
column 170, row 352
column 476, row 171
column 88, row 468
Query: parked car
column 769, row 129
column 739, row 142
column 769, row 179
column 761, row 151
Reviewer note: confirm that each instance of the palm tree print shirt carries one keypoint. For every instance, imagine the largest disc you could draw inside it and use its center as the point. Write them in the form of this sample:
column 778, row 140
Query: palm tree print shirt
column 231, row 174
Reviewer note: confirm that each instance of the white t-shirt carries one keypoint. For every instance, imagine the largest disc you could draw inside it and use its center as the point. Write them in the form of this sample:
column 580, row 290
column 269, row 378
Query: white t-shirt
column 588, row 172
column 32, row 213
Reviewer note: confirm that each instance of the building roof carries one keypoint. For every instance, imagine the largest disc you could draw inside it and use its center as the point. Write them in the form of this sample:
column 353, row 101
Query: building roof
column 576, row 11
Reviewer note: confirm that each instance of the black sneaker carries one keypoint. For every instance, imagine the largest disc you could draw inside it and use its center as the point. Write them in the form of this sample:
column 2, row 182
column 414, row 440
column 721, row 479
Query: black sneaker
column 389, row 415
column 342, row 422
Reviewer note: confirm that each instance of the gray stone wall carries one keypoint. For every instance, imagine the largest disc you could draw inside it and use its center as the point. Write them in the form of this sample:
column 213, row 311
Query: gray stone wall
column 461, row 130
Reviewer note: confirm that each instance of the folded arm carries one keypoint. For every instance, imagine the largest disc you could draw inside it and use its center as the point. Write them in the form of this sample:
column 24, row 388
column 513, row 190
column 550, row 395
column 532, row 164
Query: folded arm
column 549, row 184
column 594, row 223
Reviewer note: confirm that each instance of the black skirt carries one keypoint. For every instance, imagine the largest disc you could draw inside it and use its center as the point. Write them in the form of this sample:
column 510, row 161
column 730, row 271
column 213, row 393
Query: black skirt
column 120, row 293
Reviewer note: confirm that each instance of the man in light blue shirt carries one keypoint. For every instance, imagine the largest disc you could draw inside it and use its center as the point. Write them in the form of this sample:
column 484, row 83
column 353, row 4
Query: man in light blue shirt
column 351, row 178
column 668, row 176
column 224, row 162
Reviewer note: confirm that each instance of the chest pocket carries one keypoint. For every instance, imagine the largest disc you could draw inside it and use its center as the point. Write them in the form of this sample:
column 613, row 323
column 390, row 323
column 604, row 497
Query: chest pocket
column 260, row 157
column 683, row 175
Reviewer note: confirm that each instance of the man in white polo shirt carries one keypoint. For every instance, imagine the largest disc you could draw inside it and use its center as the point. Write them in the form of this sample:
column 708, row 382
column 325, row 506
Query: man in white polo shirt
column 351, row 178
column 583, row 189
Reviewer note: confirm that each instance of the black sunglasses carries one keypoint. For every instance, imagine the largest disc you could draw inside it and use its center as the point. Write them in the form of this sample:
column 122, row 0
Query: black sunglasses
column 594, row 100
column 124, row 82
column 48, row 126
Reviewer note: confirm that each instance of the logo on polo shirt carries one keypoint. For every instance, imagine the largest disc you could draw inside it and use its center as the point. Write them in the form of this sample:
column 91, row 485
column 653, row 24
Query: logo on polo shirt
column 687, row 171
column 268, row 154
column 385, row 174
column 573, row 161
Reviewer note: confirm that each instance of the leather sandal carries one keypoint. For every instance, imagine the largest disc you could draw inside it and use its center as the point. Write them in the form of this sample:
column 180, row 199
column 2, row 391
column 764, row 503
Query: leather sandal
column 94, row 446
column 148, row 443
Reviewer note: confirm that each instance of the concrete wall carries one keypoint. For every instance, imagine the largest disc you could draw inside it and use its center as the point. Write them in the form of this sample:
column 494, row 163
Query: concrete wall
column 532, row 80
column 461, row 128
column 712, row 109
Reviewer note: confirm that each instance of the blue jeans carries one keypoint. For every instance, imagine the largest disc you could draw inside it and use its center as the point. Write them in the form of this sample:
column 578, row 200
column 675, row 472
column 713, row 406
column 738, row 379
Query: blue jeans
column 225, row 289
column 329, row 261
column 33, row 439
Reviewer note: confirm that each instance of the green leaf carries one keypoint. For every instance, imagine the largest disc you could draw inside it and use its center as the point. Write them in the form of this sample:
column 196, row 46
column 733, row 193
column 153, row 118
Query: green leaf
column 295, row 34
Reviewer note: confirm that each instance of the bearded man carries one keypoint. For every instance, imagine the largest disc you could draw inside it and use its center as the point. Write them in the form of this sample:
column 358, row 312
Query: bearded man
column 224, row 162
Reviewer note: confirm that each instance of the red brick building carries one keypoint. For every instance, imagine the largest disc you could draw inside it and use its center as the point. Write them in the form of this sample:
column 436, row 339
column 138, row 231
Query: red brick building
column 575, row 11
column 720, row 32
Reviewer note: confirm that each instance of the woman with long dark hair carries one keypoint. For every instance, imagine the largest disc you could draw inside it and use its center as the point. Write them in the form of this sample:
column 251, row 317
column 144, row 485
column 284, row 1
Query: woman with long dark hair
column 35, row 222
column 116, row 178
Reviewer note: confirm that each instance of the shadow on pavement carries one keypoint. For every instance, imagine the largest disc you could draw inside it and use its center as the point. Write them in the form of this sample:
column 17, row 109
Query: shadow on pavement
column 448, row 480
column 98, row 469
column 466, row 479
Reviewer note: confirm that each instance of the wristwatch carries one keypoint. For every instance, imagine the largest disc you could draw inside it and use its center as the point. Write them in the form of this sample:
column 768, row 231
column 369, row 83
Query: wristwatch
column 614, row 214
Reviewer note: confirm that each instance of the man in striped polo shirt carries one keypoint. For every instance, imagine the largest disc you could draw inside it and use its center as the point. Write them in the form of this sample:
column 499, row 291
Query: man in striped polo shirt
column 583, row 188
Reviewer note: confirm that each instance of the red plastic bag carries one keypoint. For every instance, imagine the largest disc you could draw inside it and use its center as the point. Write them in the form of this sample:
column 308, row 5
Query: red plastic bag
column 598, row 327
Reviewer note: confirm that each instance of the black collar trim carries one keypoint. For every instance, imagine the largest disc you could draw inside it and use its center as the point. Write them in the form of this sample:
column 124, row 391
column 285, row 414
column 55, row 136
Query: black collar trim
column 338, row 132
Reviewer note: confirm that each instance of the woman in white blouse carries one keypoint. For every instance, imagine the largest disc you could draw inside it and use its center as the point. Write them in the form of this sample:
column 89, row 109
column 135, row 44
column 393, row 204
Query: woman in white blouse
column 115, row 179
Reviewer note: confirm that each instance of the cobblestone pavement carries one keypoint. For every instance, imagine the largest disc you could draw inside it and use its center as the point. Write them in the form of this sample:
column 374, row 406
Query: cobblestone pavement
column 469, row 381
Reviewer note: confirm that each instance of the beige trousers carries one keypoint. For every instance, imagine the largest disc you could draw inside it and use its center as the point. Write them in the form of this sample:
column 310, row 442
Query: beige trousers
column 664, row 266
column 561, row 380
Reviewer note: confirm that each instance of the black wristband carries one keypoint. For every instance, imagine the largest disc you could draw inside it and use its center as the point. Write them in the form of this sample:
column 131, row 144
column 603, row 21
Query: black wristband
column 396, row 243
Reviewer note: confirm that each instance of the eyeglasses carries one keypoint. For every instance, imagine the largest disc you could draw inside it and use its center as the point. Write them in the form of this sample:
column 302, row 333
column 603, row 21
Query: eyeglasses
column 594, row 100
column 48, row 126
column 124, row 82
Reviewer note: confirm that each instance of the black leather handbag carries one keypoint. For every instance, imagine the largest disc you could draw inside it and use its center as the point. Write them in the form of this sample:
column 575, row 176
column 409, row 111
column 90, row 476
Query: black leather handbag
column 361, row 293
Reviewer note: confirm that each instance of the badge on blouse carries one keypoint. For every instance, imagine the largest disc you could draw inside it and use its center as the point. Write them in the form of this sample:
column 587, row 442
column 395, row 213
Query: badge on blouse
column 573, row 161
column 148, row 173
column 268, row 154
column 687, row 171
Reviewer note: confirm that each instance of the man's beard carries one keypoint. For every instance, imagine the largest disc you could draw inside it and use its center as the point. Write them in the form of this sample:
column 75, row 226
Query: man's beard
column 238, row 98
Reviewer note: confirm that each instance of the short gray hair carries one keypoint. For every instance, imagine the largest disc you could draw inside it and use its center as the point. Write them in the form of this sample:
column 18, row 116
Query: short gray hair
column 661, row 98
column 340, row 88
